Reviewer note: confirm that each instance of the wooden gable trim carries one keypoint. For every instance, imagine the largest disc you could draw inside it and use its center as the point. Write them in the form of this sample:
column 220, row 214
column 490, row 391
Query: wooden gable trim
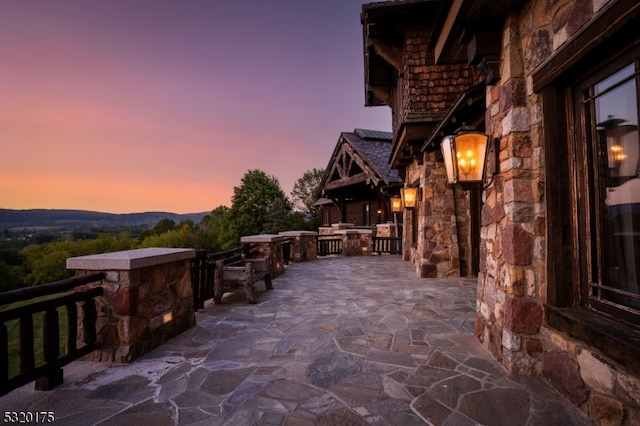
column 349, row 168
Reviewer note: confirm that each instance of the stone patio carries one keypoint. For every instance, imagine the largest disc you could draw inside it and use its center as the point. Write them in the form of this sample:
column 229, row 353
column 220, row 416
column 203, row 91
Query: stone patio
column 338, row 341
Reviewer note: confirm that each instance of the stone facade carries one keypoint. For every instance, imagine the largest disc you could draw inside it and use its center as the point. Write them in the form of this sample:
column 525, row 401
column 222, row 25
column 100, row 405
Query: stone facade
column 513, row 289
column 512, row 284
column 443, row 233
column 147, row 300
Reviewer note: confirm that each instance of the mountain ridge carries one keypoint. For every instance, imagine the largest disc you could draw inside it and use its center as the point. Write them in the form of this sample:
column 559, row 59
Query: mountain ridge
column 70, row 218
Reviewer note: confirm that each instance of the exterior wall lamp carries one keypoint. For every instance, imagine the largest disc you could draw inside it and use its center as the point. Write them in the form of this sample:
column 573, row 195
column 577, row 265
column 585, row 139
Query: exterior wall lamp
column 465, row 154
column 409, row 197
column 396, row 204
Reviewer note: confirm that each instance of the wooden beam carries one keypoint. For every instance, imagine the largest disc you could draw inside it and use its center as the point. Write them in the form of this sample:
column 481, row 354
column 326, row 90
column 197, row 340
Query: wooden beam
column 391, row 54
column 383, row 94
column 359, row 178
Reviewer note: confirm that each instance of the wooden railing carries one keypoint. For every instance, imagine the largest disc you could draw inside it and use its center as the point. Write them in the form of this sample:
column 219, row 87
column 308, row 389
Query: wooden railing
column 47, row 372
column 391, row 245
column 328, row 244
column 203, row 270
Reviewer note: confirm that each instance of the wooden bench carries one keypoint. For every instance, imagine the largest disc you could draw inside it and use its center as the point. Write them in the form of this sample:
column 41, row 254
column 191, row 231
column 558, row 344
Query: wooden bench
column 237, row 274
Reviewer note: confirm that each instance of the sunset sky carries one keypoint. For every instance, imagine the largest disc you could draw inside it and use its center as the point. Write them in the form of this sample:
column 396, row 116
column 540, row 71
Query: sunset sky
column 162, row 105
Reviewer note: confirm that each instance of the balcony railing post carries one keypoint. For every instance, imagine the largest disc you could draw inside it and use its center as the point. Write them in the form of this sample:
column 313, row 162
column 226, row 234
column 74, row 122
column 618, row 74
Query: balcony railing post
column 72, row 327
column 51, row 343
column 27, row 358
column 46, row 371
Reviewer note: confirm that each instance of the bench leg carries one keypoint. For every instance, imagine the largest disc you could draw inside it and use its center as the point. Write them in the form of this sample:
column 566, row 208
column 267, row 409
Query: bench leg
column 267, row 282
column 248, row 291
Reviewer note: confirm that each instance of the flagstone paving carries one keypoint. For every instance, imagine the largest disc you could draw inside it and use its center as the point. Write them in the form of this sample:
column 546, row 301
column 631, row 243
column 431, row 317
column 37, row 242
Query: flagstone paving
column 338, row 341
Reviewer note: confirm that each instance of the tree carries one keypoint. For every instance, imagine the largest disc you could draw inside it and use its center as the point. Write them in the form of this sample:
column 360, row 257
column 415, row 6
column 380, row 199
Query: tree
column 306, row 192
column 253, row 201
column 278, row 217
column 217, row 231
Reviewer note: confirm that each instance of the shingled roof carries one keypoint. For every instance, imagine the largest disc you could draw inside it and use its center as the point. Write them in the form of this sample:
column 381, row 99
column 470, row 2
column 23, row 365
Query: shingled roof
column 370, row 151
column 375, row 147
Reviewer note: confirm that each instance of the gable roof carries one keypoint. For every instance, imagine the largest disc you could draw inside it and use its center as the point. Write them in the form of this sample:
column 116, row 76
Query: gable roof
column 361, row 156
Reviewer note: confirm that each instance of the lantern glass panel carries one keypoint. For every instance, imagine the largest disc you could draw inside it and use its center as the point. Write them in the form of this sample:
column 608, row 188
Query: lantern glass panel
column 448, row 154
column 409, row 197
column 470, row 150
column 396, row 204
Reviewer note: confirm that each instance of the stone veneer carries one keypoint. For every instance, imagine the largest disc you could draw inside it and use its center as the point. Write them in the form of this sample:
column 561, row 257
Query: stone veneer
column 303, row 245
column 437, row 251
column 266, row 245
column 512, row 281
column 428, row 91
column 147, row 299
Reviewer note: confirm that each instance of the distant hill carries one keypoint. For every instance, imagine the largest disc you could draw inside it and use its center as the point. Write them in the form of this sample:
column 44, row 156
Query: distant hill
column 34, row 218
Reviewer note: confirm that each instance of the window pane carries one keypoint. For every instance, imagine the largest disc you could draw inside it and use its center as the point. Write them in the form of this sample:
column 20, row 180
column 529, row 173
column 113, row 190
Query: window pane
column 618, row 167
column 624, row 73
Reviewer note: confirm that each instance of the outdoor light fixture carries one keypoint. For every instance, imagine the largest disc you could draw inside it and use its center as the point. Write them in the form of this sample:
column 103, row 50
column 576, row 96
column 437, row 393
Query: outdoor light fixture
column 464, row 156
column 621, row 141
column 409, row 197
column 396, row 204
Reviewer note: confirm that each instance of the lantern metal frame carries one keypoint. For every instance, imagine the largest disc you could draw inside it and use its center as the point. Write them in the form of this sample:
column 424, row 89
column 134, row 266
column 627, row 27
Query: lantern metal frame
column 409, row 196
column 396, row 204
column 466, row 154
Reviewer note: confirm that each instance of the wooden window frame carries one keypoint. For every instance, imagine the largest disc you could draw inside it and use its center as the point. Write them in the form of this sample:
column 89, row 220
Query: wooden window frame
column 567, row 230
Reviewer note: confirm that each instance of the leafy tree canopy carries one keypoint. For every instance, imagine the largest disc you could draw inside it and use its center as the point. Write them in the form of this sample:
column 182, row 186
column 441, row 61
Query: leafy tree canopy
column 305, row 193
column 217, row 233
column 306, row 190
column 253, row 201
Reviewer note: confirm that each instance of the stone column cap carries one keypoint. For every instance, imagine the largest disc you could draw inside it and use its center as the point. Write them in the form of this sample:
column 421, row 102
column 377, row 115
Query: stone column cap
column 297, row 233
column 129, row 259
column 262, row 238
column 354, row 231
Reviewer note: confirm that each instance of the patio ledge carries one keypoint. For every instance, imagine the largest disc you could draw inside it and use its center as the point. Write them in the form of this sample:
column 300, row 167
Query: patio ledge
column 129, row 259
column 262, row 238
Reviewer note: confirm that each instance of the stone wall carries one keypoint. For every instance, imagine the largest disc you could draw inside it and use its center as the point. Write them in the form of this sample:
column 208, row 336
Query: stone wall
column 427, row 92
column 512, row 285
column 437, row 252
column 147, row 300
column 266, row 245
column 303, row 245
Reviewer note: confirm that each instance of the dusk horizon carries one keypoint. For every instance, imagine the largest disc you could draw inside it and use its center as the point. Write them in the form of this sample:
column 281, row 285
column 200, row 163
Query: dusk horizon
column 123, row 107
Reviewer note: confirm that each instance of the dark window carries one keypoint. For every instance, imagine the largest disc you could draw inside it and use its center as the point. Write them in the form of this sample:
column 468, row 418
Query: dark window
column 608, row 146
column 589, row 93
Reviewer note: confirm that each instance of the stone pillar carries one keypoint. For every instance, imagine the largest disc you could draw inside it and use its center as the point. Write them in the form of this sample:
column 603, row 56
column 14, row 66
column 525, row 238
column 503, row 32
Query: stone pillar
column 356, row 242
column 325, row 230
column 147, row 299
column 267, row 245
column 303, row 245
column 386, row 230
column 341, row 226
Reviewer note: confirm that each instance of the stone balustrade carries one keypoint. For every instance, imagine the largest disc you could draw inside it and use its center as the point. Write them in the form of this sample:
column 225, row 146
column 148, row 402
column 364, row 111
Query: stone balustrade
column 147, row 299
column 303, row 245
column 267, row 245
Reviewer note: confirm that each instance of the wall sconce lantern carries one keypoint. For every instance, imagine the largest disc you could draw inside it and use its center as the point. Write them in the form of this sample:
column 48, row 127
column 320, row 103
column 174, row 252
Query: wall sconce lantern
column 396, row 204
column 409, row 197
column 464, row 156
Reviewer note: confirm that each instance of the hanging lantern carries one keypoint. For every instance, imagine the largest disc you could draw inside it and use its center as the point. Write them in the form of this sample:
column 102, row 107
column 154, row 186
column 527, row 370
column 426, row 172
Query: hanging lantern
column 409, row 197
column 396, row 204
column 464, row 156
